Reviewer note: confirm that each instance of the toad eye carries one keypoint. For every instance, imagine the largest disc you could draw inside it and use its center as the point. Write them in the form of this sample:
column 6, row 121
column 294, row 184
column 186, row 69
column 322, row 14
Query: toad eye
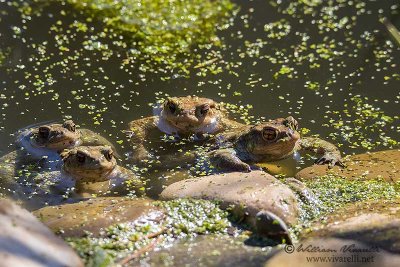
column 204, row 109
column 44, row 132
column 70, row 125
column 109, row 154
column 80, row 157
column 171, row 106
column 270, row 134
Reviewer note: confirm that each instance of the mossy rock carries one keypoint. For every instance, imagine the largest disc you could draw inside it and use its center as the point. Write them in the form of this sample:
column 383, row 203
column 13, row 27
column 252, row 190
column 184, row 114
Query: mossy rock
column 207, row 250
column 94, row 215
column 376, row 165
column 244, row 193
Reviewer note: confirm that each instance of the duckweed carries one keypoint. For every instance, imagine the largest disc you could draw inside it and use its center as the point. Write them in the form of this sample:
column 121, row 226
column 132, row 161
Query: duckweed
column 182, row 218
column 163, row 30
column 362, row 124
column 334, row 192
column 3, row 56
column 153, row 48
column 100, row 62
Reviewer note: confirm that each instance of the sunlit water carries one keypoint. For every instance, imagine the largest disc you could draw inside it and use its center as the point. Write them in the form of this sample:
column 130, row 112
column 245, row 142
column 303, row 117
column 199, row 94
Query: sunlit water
column 299, row 68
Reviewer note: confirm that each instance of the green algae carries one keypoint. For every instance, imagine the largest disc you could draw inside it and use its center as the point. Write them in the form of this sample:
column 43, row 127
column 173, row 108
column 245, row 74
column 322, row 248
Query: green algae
column 195, row 217
column 183, row 218
column 309, row 56
column 335, row 192
column 163, row 30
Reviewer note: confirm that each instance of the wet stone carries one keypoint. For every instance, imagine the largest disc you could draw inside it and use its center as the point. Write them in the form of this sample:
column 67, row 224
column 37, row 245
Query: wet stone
column 245, row 193
column 381, row 165
column 24, row 241
column 347, row 252
column 376, row 223
column 208, row 250
column 93, row 215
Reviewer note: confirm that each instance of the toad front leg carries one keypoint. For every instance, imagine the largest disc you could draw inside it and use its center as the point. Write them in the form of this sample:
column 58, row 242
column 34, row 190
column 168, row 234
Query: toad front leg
column 227, row 160
column 330, row 153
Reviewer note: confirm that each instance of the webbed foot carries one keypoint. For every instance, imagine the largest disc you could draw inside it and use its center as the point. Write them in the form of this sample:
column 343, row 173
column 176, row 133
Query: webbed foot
column 234, row 167
column 227, row 160
column 331, row 160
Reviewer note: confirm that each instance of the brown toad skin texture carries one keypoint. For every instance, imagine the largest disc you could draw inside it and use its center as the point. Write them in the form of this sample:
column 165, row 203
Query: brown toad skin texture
column 91, row 164
column 50, row 139
column 40, row 146
column 85, row 171
column 54, row 136
column 180, row 116
column 268, row 141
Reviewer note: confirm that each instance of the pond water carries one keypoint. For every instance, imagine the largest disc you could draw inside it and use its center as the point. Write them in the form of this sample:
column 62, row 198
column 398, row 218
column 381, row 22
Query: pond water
column 330, row 64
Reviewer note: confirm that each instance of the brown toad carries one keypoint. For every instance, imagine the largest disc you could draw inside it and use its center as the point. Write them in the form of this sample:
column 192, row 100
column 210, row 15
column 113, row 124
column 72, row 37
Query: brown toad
column 85, row 171
column 268, row 141
column 92, row 164
column 46, row 141
column 38, row 148
column 180, row 116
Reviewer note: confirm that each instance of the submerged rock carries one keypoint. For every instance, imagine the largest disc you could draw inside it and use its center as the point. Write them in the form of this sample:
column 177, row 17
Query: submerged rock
column 24, row 241
column 245, row 193
column 124, row 242
column 332, row 252
column 93, row 215
column 383, row 164
column 207, row 250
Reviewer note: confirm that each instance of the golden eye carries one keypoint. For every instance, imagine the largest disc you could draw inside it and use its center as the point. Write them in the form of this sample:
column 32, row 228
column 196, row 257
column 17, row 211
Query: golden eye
column 171, row 106
column 70, row 125
column 109, row 155
column 270, row 134
column 44, row 132
column 80, row 157
column 204, row 109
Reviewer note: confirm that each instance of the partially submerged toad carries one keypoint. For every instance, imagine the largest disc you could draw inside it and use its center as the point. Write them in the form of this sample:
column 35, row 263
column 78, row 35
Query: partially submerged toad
column 46, row 141
column 269, row 141
column 38, row 148
column 95, row 166
column 180, row 116
column 92, row 164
